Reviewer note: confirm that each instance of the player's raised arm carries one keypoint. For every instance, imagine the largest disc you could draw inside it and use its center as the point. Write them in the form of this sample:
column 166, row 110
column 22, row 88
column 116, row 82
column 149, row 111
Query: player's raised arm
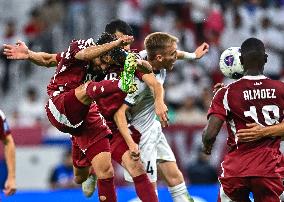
column 198, row 53
column 21, row 52
column 95, row 51
column 256, row 131
column 210, row 133
column 121, row 122
column 157, row 88
column 9, row 151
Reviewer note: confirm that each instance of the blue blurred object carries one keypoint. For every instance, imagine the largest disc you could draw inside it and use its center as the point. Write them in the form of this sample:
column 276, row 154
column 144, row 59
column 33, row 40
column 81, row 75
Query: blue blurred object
column 201, row 193
column 3, row 174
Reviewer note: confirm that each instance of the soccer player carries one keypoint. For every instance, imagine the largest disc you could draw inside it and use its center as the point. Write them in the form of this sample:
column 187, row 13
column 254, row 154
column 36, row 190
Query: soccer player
column 161, row 52
column 70, row 107
column 119, row 151
column 248, row 166
column 9, row 152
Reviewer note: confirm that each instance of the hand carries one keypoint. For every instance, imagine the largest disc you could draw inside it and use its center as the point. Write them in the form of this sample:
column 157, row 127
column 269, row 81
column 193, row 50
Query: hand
column 124, row 40
column 206, row 149
column 134, row 151
column 16, row 52
column 162, row 112
column 10, row 187
column 254, row 132
column 144, row 66
column 201, row 50
column 217, row 86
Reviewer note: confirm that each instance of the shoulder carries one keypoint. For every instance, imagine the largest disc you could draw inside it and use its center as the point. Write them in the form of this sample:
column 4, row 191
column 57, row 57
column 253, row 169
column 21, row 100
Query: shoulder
column 143, row 54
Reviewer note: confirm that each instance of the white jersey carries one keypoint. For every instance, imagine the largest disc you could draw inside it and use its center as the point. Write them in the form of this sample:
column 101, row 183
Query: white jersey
column 142, row 113
column 153, row 144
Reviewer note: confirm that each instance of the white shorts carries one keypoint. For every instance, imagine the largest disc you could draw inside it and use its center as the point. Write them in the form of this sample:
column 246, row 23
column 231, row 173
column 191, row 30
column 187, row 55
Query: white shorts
column 154, row 148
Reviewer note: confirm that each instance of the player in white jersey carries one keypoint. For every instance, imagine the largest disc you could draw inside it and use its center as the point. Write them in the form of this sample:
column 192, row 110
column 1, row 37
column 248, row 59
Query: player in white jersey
column 161, row 52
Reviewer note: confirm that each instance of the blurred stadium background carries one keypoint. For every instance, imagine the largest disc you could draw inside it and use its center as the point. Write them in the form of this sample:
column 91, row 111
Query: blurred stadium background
column 48, row 25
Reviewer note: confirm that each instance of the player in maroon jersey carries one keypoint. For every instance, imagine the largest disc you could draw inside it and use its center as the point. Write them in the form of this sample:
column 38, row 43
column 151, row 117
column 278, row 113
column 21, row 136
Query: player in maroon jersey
column 248, row 166
column 70, row 107
column 9, row 147
column 81, row 140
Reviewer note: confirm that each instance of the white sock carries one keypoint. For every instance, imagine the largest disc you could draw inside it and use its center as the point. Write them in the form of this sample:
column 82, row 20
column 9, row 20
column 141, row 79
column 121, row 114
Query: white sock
column 179, row 193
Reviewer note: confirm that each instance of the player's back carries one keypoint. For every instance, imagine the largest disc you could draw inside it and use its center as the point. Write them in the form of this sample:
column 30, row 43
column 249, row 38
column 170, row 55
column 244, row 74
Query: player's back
column 70, row 72
column 248, row 100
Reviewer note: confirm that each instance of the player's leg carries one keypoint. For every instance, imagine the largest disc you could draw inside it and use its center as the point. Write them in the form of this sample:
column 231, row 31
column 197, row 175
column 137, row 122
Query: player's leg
column 100, row 157
column 266, row 189
column 169, row 169
column 80, row 164
column 234, row 189
column 175, row 181
column 120, row 153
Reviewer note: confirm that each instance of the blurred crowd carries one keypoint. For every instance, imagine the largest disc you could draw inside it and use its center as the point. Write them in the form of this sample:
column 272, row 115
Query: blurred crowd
column 48, row 25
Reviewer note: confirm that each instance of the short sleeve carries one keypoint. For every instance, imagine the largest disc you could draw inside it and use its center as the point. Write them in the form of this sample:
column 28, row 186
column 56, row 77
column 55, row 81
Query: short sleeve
column 4, row 126
column 76, row 46
column 133, row 98
column 217, row 107
column 59, row 56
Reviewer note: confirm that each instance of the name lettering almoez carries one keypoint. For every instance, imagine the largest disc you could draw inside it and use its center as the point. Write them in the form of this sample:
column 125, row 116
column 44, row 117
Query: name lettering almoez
column 259, row 94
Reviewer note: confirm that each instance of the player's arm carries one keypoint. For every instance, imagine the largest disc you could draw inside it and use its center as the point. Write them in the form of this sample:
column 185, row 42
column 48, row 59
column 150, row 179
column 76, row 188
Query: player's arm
column 121, row 122
column 210, row 133
column 9, row 152
column 256, row 131
column 158, row 91
column 95, row 51
column 21, row 52
column 197, row 54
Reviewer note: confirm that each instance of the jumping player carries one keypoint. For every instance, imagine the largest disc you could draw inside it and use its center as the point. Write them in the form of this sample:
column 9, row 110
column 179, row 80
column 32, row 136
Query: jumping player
column 70, row 107
column 85, row 135
column 248, row 166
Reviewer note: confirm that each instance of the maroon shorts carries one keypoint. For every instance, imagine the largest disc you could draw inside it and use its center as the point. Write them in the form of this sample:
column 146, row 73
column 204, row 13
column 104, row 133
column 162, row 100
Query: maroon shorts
column 263, row 188
column 66, row 112
column 84, row 158
column 119, row 146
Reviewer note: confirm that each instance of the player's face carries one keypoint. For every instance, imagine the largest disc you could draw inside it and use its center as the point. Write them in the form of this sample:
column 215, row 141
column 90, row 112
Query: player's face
column 169, row 57
column 100, row 64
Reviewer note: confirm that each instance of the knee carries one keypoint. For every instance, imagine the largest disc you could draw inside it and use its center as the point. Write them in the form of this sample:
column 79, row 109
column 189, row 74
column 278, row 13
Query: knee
column 106, row 171
column 135, row 168
column 174, row 178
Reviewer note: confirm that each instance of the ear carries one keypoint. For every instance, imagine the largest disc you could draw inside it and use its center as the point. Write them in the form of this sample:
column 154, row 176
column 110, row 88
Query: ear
column 241, row 60
column 159, row 58
column 265, row 58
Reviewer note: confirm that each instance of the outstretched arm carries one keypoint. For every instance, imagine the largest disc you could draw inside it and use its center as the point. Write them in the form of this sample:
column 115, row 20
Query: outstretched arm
column 256, row 131
column 9, row 152
column 21, row 52
column 198, row 53
column 121, row 122
column 95, row 51
column 210, row 133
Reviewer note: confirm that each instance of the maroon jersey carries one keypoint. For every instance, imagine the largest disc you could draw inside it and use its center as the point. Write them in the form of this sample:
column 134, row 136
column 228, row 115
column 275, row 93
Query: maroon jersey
column 110, row 104
column 70, row 72
column 4, row 127
column 248, row 100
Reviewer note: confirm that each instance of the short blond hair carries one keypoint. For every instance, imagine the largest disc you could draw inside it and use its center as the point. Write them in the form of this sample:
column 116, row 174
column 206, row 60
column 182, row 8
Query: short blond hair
column 157, row 42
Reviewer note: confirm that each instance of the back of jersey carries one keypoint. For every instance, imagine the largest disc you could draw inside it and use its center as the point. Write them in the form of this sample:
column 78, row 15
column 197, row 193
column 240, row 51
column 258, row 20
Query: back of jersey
column 249, row 100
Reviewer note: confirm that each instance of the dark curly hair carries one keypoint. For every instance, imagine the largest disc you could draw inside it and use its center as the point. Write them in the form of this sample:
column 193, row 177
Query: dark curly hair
column 117, row 54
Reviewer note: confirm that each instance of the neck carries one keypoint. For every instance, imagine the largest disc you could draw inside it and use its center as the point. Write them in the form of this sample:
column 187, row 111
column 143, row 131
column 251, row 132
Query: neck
column 154, row 64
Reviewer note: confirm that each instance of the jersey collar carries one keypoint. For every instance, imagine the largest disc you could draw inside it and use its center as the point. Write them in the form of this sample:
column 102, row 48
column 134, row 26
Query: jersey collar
column 254, row 77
